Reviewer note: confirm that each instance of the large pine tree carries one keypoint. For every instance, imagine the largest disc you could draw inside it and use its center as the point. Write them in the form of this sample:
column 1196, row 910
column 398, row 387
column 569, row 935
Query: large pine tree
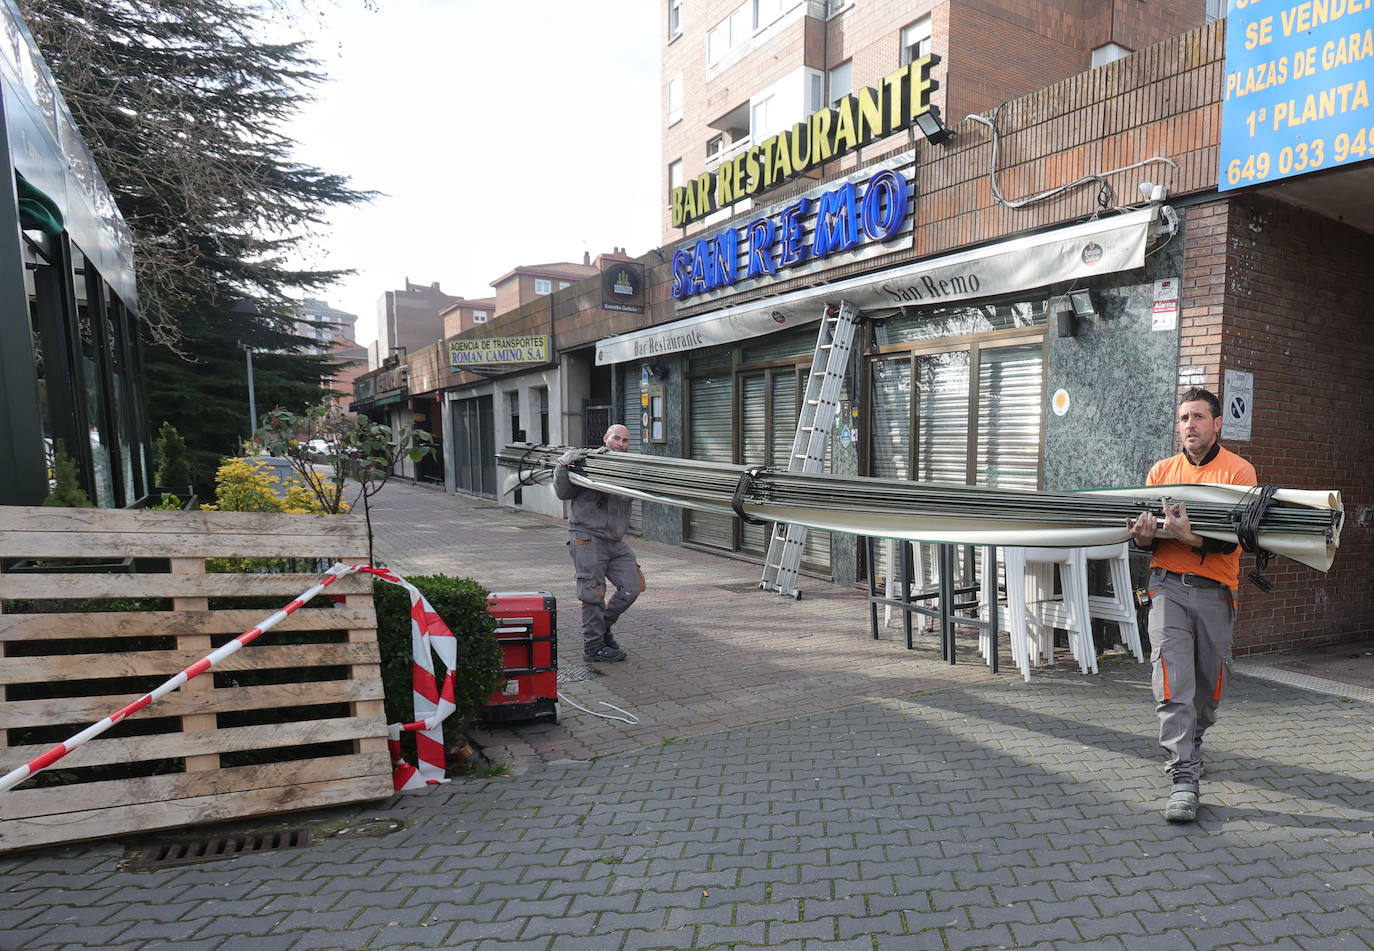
column 182, row 103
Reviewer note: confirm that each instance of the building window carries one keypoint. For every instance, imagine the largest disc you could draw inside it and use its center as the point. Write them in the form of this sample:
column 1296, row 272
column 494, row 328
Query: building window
column 766, row 11
column 729, row 33
column 479, row 316
column 714, row 146
column 1216, row 9
column 674, row 18
column 765, row 115
column 542, row 286
column 675, row 100
column 841, row 80
column 833, row 7
column 916, row 41
column 562, row 284
column 1108, row 53
column 674, row 175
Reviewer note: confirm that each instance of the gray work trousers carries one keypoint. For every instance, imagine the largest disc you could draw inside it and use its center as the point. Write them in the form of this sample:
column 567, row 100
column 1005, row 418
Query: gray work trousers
column 597, row 562
column 1190, row 635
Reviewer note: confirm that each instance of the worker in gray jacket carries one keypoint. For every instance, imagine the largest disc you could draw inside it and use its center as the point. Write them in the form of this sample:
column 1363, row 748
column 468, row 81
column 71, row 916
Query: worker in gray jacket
column 597, row 522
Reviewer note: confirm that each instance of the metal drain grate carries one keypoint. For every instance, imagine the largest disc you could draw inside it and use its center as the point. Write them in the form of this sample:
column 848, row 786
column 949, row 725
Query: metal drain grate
column 574, row 673
column 211, row 848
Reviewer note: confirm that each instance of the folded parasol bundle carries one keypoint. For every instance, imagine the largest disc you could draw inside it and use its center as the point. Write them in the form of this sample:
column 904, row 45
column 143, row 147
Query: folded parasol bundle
column 1303, row 525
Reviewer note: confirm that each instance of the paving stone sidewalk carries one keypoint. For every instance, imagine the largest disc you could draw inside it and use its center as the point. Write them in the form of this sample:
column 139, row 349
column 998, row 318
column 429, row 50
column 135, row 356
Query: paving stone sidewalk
column 850, row 795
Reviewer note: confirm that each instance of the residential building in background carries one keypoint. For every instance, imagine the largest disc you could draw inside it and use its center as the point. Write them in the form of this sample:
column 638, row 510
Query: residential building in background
column 463, row 314
column 408, row 320
column 737, row 73
column 324, row 325
column 529, row 281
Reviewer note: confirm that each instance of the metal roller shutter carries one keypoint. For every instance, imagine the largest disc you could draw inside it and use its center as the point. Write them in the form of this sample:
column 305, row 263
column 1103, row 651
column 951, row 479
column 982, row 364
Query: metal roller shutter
column 709, row 416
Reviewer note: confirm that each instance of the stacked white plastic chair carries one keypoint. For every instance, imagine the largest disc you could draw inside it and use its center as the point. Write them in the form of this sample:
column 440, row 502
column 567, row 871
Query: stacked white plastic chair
column 1034, row 611
column 1119, row 606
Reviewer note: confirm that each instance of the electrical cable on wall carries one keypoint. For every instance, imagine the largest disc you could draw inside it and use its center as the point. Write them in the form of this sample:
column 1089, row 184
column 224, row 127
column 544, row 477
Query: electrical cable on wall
column 1106, row 197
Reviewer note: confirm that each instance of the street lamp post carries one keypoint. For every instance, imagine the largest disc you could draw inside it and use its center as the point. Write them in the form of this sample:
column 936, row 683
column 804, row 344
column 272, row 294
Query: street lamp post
column 247, row 308
column 252, row 396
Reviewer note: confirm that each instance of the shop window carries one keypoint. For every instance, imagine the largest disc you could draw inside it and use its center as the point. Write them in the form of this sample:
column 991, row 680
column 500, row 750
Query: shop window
column 516, row 433
column 916, row 41
column 541, row 398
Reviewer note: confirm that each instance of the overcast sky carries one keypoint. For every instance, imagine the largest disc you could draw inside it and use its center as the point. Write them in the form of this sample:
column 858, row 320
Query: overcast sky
column 502, row 134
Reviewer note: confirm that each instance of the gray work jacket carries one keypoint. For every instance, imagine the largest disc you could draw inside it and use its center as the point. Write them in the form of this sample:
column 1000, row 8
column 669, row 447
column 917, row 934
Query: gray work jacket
column 592, row 514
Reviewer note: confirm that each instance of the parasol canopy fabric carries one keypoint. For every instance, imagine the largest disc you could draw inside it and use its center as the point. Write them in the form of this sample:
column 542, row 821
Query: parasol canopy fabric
column 1302, row 525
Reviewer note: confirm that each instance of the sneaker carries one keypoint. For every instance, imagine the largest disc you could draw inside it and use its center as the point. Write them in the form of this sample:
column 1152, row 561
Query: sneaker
column 604, row 655
column 1182, row 804
column 609, row 641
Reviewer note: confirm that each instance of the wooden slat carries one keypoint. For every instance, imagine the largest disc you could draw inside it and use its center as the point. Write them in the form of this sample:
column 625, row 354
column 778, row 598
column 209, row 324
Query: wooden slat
column 257, row 656
column 87, row 710
column 358, row 613
column 170, row 586
column 343, row 548
column 112, row 821
column 134, row 749
column 39, row 519
column 29, row 803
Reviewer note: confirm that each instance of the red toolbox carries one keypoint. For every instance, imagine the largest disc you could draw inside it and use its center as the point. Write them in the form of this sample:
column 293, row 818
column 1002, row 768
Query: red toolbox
column 527, row 628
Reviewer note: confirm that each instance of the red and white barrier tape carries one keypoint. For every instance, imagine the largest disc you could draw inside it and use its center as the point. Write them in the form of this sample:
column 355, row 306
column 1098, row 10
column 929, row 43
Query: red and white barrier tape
column 433, row 703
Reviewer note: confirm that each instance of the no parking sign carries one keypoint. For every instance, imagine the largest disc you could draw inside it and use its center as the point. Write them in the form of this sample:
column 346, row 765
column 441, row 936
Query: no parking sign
column 1237, row 405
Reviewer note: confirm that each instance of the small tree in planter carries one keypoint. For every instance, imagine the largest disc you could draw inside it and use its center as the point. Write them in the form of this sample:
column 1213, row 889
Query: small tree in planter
column 355, row 447
column 66, row 491
column 462, row 604
column 173, row 473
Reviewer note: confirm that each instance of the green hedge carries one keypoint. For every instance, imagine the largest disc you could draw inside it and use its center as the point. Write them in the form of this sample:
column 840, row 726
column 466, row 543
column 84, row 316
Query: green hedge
column 462, row 603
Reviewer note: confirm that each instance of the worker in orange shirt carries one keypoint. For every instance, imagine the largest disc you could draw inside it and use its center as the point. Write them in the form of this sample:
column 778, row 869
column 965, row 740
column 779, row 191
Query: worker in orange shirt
column 1193, row 582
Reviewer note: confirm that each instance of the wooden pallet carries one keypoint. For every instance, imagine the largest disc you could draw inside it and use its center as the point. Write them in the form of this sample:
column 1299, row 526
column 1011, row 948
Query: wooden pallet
column 292, row 721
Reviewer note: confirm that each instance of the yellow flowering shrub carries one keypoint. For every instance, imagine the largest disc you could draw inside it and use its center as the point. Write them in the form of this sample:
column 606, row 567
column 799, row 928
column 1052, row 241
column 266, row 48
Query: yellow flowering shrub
column 249, row 485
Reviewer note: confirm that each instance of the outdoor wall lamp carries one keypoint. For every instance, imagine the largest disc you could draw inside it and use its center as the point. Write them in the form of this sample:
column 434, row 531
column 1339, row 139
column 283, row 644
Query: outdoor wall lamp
column 1153, row 192
column 1082, row 304
column 935, row 131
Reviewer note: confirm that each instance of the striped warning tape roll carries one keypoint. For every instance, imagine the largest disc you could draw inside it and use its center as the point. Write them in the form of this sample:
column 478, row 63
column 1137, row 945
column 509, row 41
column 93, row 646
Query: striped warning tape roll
column 433, row 702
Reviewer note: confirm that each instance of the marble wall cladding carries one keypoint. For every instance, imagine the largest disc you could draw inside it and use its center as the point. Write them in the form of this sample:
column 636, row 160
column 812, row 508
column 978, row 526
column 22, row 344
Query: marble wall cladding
column 664, row 522
column 1121, row 377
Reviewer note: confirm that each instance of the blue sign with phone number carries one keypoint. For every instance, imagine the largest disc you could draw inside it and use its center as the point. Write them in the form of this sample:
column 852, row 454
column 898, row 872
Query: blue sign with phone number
column 1298, row 77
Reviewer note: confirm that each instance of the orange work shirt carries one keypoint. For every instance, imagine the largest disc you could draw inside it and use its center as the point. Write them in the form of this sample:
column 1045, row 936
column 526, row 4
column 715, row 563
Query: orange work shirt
column 1225, row 468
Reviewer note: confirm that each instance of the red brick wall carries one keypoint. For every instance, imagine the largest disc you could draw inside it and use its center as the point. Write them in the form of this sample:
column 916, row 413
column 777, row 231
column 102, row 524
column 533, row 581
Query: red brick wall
column 1297, row 316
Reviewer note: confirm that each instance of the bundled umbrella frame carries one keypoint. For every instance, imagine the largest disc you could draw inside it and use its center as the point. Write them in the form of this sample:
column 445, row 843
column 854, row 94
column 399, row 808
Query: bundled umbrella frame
column 1303, row 525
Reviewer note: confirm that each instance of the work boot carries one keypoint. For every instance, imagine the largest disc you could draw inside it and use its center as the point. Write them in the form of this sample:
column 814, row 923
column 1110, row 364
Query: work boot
column 1182, row 804
column 604, row 655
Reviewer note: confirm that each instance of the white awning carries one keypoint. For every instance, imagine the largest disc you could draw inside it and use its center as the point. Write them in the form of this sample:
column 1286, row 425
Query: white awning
column 1102, row 246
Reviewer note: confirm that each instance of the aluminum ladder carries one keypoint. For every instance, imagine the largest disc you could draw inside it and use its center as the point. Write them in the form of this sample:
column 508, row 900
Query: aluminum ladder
column 814, row 422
